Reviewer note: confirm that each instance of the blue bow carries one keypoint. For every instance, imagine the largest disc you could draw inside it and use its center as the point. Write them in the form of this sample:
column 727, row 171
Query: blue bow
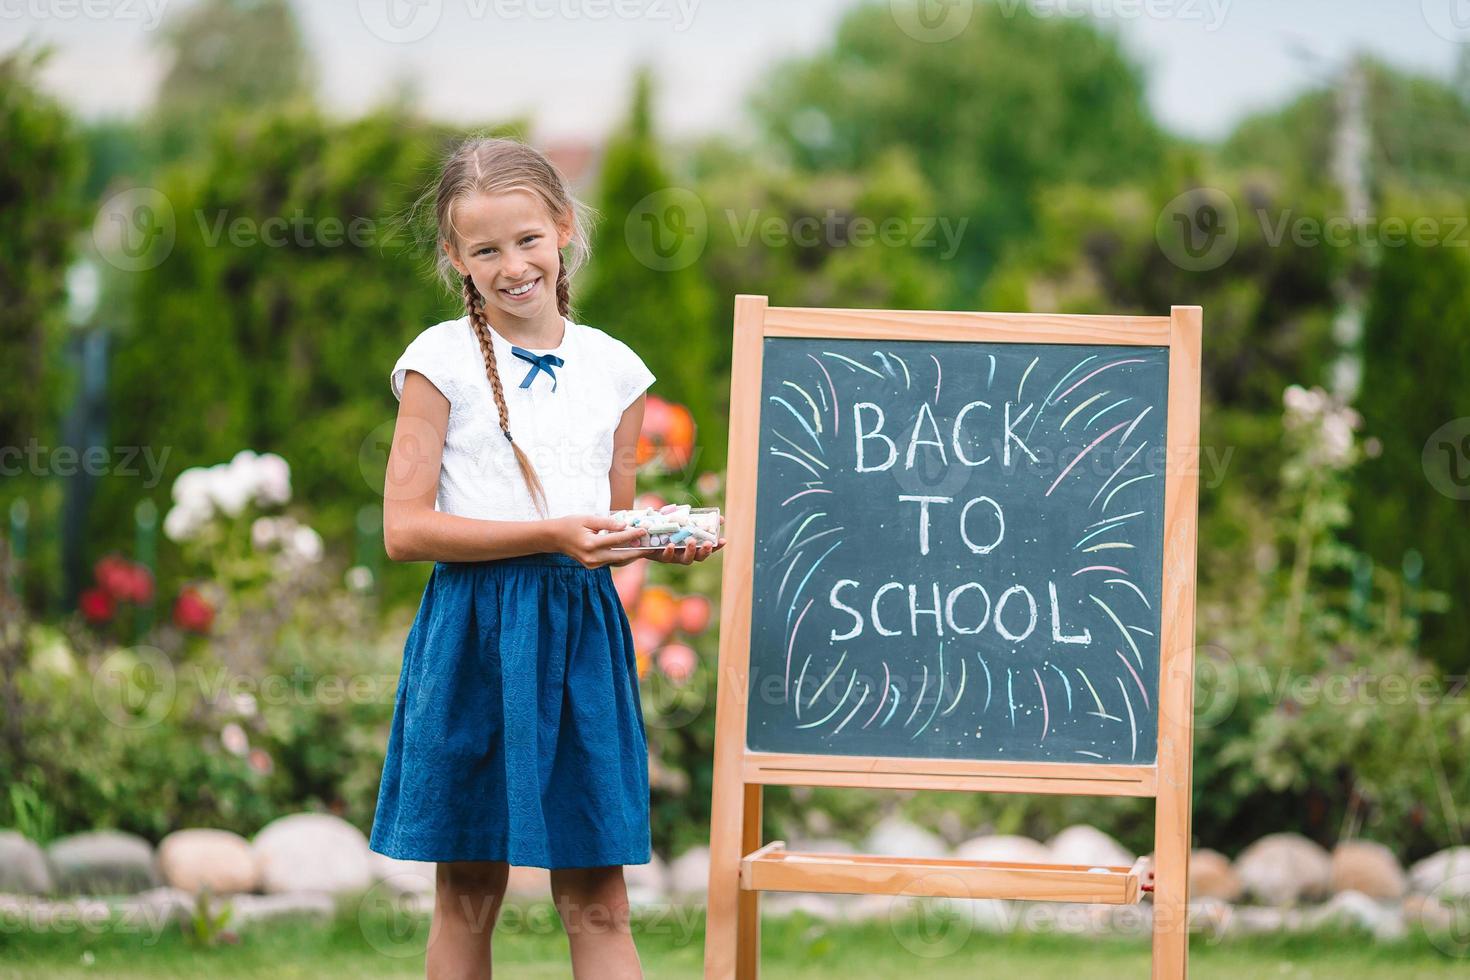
column 541, row 362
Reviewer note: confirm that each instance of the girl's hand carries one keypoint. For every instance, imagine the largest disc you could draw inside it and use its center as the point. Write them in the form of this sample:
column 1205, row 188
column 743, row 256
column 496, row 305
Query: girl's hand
column 576, row 536
column 688, row 553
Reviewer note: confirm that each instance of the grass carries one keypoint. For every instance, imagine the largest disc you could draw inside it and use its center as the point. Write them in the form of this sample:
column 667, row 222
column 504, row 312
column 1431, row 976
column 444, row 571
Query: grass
column 530, row 943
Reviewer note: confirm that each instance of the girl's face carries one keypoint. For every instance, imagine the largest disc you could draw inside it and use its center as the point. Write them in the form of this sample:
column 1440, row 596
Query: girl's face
column 507, row 242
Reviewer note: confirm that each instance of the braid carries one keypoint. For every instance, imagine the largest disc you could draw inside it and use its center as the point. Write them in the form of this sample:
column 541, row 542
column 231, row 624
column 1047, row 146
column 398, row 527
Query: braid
column 563, row 290
column 475, row 306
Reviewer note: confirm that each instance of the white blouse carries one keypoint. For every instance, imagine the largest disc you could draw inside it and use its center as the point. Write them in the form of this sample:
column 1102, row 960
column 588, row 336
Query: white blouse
column 567, row 432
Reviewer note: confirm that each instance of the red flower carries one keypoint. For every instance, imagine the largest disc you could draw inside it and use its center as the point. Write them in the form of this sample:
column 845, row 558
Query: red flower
column 124, row 580
column 113, row 574
column 97, row 605
column 193, row 612
column 140, row 584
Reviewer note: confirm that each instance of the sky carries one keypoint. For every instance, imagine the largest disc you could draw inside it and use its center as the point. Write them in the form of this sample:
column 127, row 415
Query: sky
column 568, row 63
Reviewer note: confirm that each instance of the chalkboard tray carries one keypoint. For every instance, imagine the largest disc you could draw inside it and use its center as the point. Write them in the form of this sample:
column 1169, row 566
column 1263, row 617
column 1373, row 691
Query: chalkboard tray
column 773, row 868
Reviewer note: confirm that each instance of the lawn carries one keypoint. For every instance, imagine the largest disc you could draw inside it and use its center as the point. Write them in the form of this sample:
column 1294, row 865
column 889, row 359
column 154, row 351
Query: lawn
column 530, row 943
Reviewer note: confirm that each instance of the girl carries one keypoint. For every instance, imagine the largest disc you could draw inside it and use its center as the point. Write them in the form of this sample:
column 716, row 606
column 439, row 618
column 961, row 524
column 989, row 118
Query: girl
column 517, row 732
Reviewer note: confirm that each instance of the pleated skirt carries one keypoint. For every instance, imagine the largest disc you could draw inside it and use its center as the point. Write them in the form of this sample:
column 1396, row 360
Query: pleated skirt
column 517, row 728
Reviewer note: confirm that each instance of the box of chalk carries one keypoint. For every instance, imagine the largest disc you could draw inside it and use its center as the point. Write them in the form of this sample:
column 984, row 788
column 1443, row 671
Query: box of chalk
column 672, row 524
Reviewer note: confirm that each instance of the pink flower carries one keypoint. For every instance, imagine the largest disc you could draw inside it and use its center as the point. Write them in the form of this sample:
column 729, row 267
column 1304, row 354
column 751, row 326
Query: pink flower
column 628, row 581
column 694, row 614
column 644, row 639
column 649, row 499
column 677, row 661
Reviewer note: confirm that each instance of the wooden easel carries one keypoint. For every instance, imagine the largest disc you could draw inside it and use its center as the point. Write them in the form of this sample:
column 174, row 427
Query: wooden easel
column 742, row 865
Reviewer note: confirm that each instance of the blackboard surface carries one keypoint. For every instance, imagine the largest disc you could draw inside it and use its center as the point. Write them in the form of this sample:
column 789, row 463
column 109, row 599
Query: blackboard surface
column 958, row 550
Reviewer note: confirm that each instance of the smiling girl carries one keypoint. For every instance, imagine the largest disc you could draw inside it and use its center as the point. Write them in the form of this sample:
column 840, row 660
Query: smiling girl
column 517, row 733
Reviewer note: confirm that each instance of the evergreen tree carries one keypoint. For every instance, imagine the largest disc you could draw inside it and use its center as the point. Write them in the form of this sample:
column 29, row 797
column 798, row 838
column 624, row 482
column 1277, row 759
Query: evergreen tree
column 1416, row 347
column 227, row 56
column 40, row 177
column 1009, row 106
column 646, row 284
column 1418, row 128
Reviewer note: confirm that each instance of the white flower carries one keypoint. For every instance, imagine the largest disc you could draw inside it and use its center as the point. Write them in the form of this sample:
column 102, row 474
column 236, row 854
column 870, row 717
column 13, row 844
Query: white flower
column 1337, row 438
column 1296, row 398
column 306, row 543
column 234, row 739
column 272, row 480
column 191, row 488
column 263, row 533
column 244, row 703
column 359, row 578
column 50, row 652
column 183, row 521
column 230, row 487
column 244, row 474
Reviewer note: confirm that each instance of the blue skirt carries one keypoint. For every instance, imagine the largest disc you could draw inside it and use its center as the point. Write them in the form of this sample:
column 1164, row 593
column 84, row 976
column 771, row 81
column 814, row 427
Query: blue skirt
column 517, row 728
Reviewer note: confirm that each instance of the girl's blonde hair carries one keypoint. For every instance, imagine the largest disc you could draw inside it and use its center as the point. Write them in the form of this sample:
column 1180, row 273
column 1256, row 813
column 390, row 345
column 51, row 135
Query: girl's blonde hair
column 486, row 165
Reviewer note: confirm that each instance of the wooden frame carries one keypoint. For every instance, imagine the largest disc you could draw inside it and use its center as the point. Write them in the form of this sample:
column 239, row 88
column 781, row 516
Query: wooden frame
column 742, row 865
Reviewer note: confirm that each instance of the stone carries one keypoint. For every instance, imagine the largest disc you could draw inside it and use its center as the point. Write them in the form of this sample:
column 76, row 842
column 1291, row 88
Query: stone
column 315, row 852
column 528, row 884
column 147, row 912
column 866, row 908
column 1369, row 868
column 102, row 862
column 1445, row 874
column 994, row 915
column 689, row 875
column 199, row 858
column 1004, row 847
column 824, row 908
column 895, row 836
column 1385, row 920
column 37, row 914
column 247, row 909
column 821, row 845
column 1208, row 915
column 155, row 908
column 1081, row 844
column 1430, row 914
column 647, row 884
column 1254, row 920
column 403, row 877
column 1211, row 876
column 1283, row 869
column 23, row 867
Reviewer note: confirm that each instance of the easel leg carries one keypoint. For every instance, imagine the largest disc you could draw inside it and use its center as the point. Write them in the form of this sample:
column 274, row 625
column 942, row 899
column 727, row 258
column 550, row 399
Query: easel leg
column 1171, row 867
column 748, row 958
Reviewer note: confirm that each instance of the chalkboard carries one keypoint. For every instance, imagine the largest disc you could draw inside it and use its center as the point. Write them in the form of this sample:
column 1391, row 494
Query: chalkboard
column 959, row 550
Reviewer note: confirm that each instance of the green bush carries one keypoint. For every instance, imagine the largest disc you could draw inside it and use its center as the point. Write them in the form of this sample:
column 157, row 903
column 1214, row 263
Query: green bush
column 284, row 705
column 1313, row 710
column 290, row 290
column 1415, row 349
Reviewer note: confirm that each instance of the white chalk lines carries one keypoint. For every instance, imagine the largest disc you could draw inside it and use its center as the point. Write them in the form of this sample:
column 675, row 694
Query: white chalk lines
column 854, row 697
